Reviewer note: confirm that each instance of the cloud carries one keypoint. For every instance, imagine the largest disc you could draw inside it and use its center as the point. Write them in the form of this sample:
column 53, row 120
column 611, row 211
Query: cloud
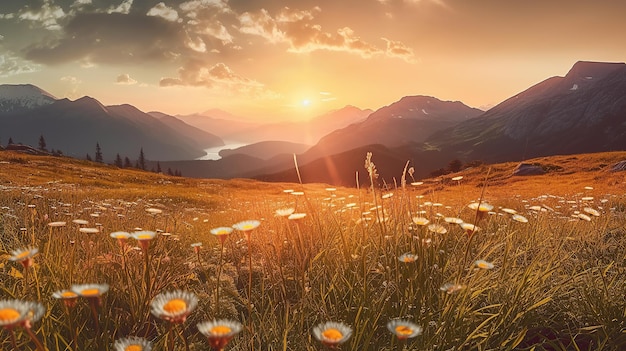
column 298, row 30
column 218, row 77
column 47, row 15
column 398, row 49
column 125, row 79
column 11, row 65
column 199, row 8
column 124, row 7
column 112, row 38
column 163, row 11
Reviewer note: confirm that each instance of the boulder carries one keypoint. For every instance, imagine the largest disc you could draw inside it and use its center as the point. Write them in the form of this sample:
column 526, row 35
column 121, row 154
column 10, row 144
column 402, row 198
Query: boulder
column 525, row 169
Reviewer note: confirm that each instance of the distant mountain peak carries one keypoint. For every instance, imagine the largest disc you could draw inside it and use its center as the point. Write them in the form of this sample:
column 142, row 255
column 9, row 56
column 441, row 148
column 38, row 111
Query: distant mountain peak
column 23, row 97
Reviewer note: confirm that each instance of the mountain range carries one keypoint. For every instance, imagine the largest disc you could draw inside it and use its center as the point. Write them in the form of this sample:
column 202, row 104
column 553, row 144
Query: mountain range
column 584, row 111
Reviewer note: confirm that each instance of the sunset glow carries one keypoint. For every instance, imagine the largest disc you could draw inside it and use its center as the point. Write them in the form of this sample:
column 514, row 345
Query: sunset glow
column 251, row 57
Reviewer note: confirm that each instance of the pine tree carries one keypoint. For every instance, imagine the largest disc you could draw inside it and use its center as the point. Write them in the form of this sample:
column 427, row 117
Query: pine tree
column 127, row 163
column 158, row 170
column 141, row 162
column 99, row 157
column 10, row 141
column 42, row 143
column 88, row 158
column 169, row 171
column 118, row 161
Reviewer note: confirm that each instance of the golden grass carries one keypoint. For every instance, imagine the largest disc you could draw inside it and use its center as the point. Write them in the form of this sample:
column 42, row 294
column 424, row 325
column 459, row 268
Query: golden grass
column 558, row 282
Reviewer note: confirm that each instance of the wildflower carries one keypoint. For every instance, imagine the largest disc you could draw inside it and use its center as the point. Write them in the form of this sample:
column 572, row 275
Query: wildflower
column 587, row 198
column 284, row 212
column 247, row 226
column 484, row 264
column 80, row 222
column 457, row 178
column 67, row 296
column 519, row 218
column 57, row 224
column 174, row 306
column 437, row 228
column 584, row 217
column 297, row 193
column 420, row 220
column 332, row 334
column 132, row 343
column 17, row 312
column 219, row 332
column 453, row 220
column 296, row 216
column 90, row 291
column 121, row 237
column 86, row 230
column 407, row 257
column 509, row 211
column 222, row 233
column 196, row 247
column 591, row 211
column 451, row 288
column 404, row 329
column 417, row 183
column 144, row 237
column 470, row 229
column 154, row 211
column 24, row 256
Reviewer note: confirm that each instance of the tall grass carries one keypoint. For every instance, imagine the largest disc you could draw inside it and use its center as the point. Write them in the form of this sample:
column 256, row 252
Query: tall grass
column 558, row 282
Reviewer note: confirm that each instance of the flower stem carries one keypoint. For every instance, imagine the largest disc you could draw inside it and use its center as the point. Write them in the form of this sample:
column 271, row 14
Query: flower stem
column 219, row 274
column 32, row 335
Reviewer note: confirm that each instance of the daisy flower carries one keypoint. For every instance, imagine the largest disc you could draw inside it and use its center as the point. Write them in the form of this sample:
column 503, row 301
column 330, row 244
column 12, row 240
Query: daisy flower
column 67, row 296
column 144, row 237
column 17, row 312
column 484, row 264
column 407, row 257
column 332, row 334
column 24, row 256
column 284, row 212
column 420, row 220
column 219, row 332
column 404, row 329
column 90, row 291
column 222, row 232
column 132, row 343
column 246, row 226
column 451, row 288
column 437, row 228
column 174, row 306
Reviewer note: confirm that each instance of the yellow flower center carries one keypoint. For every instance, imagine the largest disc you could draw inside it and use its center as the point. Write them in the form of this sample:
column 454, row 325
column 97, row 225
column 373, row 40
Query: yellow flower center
column 90, row 292
column 9, row 314
column 409, row 259
column 133, row 347
column 332, row 334
column 403, row 330
column 175, row 306
column 220, row 330
column 22, row 255
column 68, row 294
column 144, row 237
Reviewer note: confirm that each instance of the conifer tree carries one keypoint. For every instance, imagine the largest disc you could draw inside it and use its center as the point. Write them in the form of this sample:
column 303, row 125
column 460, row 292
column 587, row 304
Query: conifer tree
column 118, row 161
column 99, row 157
column 141, row 162
column 10, row 141
column 88, row 158
column 42, row 143
column 158, row 170
column 127, row 163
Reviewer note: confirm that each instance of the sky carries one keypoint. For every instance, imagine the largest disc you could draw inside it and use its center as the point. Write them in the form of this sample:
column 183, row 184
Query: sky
column 293, row 60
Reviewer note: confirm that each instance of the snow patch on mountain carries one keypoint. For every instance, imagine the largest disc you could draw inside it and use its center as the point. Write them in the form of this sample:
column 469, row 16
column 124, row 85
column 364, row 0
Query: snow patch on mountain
column 23, row 97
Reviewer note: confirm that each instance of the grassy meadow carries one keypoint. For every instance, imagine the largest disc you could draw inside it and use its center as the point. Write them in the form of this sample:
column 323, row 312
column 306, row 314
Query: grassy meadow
column 543, row 269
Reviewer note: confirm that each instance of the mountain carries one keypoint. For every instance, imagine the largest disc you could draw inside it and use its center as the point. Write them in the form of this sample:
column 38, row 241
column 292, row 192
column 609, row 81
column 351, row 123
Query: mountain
column 15, row 98
column 202, row 138
column 410, row 120
column 227, row 129
column 585, row 111
column 266, row 150
column 235, row 129
column 74, row 127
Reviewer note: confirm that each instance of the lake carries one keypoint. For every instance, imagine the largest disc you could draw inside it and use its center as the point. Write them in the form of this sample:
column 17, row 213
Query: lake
column 213, row 152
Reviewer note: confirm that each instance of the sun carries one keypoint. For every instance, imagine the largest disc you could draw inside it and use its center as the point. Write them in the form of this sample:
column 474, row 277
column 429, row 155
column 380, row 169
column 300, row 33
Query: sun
column 305, row 102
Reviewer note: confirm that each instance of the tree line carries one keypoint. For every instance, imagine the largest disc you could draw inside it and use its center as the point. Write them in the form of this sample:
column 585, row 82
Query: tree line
column 140, row 162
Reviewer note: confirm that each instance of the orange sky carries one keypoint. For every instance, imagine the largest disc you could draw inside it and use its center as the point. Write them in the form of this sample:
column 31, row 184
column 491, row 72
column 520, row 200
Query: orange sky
column 283, row 59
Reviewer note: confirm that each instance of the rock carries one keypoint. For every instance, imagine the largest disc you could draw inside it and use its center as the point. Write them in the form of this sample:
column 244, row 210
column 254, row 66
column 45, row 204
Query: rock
column 524, row 169
column 618, row 167
column 26, row 149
